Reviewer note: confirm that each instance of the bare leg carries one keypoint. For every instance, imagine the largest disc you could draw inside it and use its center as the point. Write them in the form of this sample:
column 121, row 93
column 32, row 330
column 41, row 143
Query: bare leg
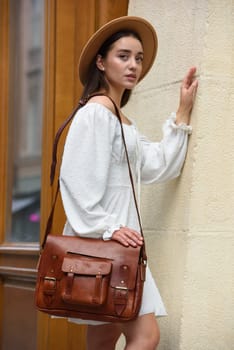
column 143, row 333
column 103, row 337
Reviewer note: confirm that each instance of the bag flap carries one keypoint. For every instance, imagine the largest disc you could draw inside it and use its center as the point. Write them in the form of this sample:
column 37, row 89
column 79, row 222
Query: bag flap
column 58, row 248
column 86, row 266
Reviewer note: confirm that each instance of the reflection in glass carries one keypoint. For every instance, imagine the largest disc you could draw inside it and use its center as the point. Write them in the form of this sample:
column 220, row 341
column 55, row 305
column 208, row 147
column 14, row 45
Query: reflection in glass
column 25, row 103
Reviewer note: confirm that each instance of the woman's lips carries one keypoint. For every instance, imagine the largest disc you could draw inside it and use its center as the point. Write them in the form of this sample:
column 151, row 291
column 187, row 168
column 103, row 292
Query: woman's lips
column 131, row 77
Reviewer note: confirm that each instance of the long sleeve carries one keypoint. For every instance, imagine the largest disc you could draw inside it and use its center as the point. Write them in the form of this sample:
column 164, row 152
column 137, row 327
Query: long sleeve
column 85, row 169
column 162, row 161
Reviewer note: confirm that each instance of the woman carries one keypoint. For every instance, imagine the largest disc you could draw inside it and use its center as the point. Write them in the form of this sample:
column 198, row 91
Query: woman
column 95, row 186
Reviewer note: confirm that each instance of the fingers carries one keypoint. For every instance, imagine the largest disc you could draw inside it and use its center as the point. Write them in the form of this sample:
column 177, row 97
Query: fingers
column 189, row 77
column 128, row 237
column 189, row 87
column 191, row 73
column 193, row 88
column 187, row 96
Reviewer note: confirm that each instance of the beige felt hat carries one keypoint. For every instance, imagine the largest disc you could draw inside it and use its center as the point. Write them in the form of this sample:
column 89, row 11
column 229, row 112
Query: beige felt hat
column 137, row 24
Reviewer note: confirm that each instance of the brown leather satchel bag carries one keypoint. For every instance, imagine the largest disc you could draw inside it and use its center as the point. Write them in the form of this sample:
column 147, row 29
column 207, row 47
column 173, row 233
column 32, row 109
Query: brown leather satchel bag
column 89, row 278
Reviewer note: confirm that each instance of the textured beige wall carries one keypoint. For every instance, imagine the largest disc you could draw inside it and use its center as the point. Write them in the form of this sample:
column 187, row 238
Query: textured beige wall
column 189, row 222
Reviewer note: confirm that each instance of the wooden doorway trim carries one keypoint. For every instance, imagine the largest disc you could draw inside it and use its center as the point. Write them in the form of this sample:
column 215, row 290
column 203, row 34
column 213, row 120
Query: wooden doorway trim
column 4, row 74
column 4, row 96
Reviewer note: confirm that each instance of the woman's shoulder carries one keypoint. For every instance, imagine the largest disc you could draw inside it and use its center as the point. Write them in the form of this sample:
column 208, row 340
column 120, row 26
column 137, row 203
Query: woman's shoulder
column 103, row 101
column 97, row 112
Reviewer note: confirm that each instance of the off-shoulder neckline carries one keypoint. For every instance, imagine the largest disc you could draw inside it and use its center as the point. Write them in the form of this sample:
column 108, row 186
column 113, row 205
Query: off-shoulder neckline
column 109, row 110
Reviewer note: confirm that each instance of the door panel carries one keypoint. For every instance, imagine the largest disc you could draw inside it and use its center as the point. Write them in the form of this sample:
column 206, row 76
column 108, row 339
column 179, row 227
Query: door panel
column 21, row 73
column 19, row 314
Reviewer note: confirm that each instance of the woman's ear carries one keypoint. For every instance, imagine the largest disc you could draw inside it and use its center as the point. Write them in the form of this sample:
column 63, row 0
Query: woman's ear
column 99, row 63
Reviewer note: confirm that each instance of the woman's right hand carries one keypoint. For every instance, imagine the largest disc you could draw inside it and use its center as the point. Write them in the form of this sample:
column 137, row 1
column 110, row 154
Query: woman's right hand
column 187, row 96
column 128, row 237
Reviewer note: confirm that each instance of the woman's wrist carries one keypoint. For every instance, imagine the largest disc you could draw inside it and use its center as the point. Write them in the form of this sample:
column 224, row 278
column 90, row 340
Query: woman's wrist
column 182, row 117
column 107, row 235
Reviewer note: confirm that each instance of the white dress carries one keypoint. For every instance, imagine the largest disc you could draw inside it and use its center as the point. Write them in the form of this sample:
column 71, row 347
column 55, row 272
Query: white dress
column 94, row 180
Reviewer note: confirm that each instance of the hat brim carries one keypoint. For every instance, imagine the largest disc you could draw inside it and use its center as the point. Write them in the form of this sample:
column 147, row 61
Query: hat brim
column 137, row 24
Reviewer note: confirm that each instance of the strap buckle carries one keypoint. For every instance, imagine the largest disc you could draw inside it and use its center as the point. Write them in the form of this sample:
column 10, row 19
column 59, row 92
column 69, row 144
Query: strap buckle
column 120, row 288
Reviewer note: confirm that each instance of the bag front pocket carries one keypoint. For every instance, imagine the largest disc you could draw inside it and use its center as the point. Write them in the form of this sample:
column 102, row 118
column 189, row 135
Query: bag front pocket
column 86, row 280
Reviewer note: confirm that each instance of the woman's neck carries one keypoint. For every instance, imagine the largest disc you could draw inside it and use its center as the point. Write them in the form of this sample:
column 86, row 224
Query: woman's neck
column 116, row 95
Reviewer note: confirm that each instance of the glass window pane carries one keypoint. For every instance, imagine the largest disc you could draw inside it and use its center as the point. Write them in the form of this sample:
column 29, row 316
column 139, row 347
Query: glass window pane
column 25, row 104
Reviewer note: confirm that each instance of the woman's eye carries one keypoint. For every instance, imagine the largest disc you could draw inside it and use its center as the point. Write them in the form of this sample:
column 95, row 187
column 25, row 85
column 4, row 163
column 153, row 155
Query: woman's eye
column 124, row 57
column 139, row 59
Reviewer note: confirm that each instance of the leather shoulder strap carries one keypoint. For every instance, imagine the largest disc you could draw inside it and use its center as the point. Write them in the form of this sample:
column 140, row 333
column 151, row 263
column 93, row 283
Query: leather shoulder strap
column 54, row 163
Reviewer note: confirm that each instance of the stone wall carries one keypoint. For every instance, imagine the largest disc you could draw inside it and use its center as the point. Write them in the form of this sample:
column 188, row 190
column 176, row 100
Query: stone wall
column 189, row 222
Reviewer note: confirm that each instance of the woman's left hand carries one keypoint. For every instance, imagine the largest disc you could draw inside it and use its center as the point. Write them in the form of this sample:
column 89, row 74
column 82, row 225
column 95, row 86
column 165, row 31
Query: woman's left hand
column 128, row 237
column 187, row 95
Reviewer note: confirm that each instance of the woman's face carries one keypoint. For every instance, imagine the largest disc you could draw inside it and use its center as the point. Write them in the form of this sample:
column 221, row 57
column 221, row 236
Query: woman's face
column 122, row 66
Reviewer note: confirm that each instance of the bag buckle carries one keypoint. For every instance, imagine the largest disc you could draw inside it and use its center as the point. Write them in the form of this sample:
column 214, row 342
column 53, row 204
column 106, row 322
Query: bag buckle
column 121, row 288
column 49, row 285
column 50, row 278
column 143, row 269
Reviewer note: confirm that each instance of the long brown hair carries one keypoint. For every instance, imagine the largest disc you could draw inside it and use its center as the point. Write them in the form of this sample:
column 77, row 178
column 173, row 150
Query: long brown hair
column 96, row 80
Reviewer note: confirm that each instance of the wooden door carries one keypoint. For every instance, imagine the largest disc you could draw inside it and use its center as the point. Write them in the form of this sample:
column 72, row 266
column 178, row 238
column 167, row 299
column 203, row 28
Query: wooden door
column 40, row 43
column 21, row 74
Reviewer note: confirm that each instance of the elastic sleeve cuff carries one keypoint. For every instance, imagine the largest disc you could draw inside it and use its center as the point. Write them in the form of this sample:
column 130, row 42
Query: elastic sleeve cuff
column 107, row 235
column 181, row 126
